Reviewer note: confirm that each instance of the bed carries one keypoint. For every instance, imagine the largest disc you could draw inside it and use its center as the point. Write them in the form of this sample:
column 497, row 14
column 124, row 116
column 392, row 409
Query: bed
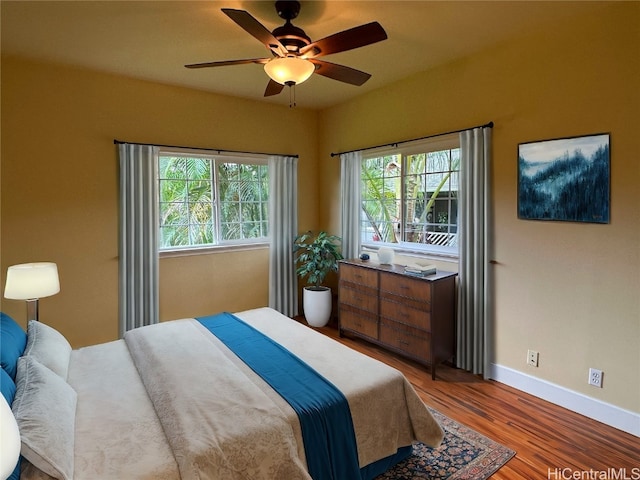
column 177, row 401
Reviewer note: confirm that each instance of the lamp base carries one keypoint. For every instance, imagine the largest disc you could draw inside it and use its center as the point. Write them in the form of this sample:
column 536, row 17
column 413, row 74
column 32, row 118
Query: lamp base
column 32, row 310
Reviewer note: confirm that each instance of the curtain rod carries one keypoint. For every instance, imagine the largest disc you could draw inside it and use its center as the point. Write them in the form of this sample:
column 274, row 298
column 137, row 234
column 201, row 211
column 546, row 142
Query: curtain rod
column 119, row 142
column 395, row 144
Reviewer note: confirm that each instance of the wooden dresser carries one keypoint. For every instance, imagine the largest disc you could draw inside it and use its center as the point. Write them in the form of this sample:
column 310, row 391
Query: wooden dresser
column 413, row 316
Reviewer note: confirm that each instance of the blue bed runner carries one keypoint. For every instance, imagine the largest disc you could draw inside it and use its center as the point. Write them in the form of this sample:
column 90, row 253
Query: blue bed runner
column 323, row 411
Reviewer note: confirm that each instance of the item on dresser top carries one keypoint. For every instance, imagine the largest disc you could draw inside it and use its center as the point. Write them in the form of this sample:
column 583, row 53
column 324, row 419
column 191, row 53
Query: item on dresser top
column 386, row 255
column 420, row 270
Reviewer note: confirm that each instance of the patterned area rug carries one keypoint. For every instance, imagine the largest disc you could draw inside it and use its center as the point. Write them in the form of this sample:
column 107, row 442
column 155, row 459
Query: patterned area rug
column 464, row 455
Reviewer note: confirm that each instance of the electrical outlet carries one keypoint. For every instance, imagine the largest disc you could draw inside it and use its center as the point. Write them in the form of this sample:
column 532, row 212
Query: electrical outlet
column 532, row 358
column 595, row 377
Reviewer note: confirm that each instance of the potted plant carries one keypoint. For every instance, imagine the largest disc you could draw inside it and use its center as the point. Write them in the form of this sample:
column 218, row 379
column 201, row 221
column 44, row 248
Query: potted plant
column 316, row 256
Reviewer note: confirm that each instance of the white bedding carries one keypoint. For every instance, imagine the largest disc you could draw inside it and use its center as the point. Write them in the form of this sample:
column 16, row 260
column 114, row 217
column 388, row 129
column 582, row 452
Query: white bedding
column 119, row 434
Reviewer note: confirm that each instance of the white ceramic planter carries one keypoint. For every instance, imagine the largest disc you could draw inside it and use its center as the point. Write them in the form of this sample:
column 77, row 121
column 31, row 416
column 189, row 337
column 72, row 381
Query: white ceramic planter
column 316, row 303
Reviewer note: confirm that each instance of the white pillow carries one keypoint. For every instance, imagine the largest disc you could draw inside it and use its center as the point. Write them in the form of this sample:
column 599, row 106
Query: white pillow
column 49, row 347
column 45, row 409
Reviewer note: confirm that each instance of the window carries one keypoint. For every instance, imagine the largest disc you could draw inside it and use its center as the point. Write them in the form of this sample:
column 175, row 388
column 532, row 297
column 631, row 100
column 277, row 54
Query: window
column 208, row 200
column 410, row 196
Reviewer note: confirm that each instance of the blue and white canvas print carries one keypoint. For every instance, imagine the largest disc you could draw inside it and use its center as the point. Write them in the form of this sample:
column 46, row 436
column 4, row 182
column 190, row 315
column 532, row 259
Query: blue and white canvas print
column 565, row 179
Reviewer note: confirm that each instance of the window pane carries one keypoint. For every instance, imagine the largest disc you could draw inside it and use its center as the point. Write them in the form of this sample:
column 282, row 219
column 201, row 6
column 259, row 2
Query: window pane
column 199, row 168
column 190, row 211
column 244, row 200
column 230, row 211
column 230, row 231
column 173, row 213
column 228, row 172
column 454, row 182
column 381, row 197
column 441, row 214
column 201, row 234
column 411, row 198
column 245, row 230
column 174, row 236
column 173, row 168
column 201, row 213
column 186, row 201
column 252, row 230
column 173, row 190
column 199, row 191
column 414, row 232
column 438, row 161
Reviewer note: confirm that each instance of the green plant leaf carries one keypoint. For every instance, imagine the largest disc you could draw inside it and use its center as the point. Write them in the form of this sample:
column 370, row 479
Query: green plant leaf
column 316, row 256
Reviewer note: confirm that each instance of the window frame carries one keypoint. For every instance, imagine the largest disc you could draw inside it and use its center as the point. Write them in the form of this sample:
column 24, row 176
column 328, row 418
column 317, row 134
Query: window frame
column 435, row 144
column 216, row 158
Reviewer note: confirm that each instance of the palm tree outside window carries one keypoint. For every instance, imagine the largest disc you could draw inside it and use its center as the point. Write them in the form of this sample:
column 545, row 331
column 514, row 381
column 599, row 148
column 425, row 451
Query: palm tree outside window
column 208, row 200
column 410, row 196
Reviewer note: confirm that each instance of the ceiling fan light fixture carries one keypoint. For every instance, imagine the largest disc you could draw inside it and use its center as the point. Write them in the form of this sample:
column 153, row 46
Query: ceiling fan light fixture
column 289, row 70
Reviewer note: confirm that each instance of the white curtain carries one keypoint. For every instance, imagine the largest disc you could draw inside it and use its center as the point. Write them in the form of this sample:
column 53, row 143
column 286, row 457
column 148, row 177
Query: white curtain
column 474, row 320
column 350, row 168
column 283, row 228
column 138, row 242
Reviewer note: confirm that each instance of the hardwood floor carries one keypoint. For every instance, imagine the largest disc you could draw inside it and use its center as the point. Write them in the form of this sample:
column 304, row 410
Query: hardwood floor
column 550, row 441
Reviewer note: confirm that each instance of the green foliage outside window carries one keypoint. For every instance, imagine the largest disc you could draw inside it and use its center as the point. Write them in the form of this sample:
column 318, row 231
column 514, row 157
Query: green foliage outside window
column 206, row 202
column 405, row 198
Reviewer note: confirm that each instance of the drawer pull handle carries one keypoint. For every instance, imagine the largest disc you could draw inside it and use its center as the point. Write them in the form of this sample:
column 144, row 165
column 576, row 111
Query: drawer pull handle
column 403, row 342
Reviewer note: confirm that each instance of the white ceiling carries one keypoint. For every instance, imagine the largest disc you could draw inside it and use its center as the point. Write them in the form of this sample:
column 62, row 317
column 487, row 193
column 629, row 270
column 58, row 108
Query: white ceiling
column 152, row 40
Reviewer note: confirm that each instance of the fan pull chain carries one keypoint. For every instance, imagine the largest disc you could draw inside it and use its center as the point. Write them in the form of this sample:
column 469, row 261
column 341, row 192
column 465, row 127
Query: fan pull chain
column 292, row 94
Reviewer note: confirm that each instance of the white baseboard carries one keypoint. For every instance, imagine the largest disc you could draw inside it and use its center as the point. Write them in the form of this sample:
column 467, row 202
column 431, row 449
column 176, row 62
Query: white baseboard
column 606, row 413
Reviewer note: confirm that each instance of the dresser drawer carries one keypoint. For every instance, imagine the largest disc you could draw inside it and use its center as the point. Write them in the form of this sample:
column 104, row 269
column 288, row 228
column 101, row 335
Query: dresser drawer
column 412, row 316
column 366, row 277
column 407, row 287
column 405, row 314
column 409, row 340
column 358, row 322
column 364, row 299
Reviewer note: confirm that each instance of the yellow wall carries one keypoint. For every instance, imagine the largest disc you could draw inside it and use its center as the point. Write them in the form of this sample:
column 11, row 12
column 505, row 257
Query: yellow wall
column 60, row 188
column 568, row 290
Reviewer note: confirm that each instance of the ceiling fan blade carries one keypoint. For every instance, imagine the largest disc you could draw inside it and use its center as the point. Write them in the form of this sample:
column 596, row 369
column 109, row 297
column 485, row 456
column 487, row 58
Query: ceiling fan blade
column 355, row 37
column 340, row 72
column 255, row 28
column 224, row 63
column 273, row 88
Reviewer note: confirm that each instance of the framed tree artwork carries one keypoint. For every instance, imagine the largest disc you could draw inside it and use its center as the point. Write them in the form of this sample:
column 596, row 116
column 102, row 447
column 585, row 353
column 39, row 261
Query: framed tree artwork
column 565, row 179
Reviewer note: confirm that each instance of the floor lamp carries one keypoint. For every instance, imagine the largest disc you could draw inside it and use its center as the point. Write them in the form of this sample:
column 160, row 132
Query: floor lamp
column 30, row 282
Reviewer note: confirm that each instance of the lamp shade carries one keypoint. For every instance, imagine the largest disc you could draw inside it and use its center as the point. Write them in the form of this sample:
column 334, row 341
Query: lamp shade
column 9, row 439
column 289, row 70
column 32, row 280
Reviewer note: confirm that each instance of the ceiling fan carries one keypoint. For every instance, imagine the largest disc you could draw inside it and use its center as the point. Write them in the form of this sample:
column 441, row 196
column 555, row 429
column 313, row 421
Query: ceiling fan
column 295, row 56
